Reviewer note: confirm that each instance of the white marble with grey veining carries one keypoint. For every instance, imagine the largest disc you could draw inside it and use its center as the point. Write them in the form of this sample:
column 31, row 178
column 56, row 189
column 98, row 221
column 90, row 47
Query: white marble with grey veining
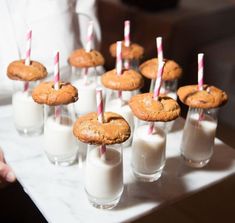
column 59, row 192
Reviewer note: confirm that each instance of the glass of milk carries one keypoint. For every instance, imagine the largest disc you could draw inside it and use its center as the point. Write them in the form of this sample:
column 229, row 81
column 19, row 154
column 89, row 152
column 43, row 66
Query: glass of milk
column 86, row 84
column 120, row 106
column 104, row 176
column 60, row 145
column 198, row 136
column 148, row 152
column 28, row 116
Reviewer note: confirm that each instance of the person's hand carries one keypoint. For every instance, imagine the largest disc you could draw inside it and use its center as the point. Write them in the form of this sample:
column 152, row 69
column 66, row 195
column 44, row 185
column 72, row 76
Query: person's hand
column 6, row 173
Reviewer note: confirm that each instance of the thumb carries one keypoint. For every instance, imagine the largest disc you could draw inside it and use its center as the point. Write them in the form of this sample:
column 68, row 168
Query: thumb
column 6, row 174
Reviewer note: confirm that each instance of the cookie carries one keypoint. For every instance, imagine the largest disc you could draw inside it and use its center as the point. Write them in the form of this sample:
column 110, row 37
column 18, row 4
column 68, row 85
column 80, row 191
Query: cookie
column 115, row 129
column 17, row 70
column 80, row 58
column 171, row 70
column 45, row 93
column 146, row 108
column 129, row 80
column 209, row 97
column 134, row 51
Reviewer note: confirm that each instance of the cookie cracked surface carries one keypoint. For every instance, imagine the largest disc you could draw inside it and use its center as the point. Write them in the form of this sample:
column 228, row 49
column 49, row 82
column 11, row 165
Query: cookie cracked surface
column 146, row 108
column 171, row 70
column 134, row 51
column 17, row 70
column 45, row 93
column 88, row 129
column 80, row 58
column 129, row 80
column 209, row 97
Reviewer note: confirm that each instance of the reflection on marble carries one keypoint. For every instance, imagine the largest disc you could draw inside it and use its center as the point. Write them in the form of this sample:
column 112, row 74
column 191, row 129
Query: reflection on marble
column 59, row 191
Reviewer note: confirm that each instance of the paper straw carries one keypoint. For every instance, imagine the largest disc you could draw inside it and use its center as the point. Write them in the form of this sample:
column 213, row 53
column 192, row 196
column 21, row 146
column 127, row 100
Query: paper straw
column 99, row 102
column 127, row 33
column 100, row 113
column 56, row 82
column 156, row 91
column 200, row 70
column 27, row 55
column 119, row 62
column 56, row 71
column 127, row 41
column 159, row 49
column 90, row 36
column 158, row 80
column 28, row 47
column 119, row 58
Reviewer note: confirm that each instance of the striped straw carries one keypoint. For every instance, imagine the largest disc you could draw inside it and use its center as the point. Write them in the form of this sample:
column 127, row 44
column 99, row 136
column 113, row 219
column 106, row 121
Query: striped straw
column 56, row 71
column 89, row 36
column 158, row 80
column 27, row 55
column 119, row 62
column 127, row 41
column 200, row 70
column 127, row 33
column 28, row 47
column 99, row 102
column 56, row 83
column 159, row 49
column 156, row 91
column 119, row 58
column 100, row 113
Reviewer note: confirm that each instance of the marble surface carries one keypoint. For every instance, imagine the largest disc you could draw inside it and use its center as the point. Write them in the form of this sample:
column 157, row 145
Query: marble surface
column 59, row 191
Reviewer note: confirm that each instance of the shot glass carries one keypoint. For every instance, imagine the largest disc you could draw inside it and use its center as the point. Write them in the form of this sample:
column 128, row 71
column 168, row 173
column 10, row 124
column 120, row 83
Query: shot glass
column 114, row 103
column 28, row 116
column 148, row 152
column 104, row 176
column 198, row 136
column 86, row 81
column 60, row 145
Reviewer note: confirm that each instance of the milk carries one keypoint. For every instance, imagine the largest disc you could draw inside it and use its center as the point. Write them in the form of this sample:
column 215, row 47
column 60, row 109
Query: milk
column 27, row 114
column 58, row 138
column 124, row 110
column 87, row 97
column 104, row 178
column 148, row 151
column 198, row 138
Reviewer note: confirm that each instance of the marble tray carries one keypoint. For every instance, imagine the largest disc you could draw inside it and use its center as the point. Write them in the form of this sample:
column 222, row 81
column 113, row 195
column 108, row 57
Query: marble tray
column 59, row 192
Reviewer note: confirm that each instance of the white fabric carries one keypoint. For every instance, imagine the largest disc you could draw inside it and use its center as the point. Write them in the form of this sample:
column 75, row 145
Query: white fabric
column 54, row 25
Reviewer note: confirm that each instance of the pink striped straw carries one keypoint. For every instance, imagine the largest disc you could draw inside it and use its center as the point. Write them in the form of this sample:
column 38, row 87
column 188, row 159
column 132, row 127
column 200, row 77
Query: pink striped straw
column 56, row 71
column 200, row 70
column 156, row 91
column 90, row 36
column 159, row 49
column 119, row 62
column 100, row 113
column 28, row 47
column 27, row 55
column 56, row 82
column 99, row 102
column 127, row 41
column 158, row 80
column 127, row 33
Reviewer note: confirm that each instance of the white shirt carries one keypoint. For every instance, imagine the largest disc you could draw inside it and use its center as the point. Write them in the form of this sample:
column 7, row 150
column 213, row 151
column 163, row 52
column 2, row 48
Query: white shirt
column 54, row 25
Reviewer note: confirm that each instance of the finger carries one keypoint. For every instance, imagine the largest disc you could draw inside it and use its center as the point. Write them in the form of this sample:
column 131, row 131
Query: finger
column 1, row 156
column 6, row 173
